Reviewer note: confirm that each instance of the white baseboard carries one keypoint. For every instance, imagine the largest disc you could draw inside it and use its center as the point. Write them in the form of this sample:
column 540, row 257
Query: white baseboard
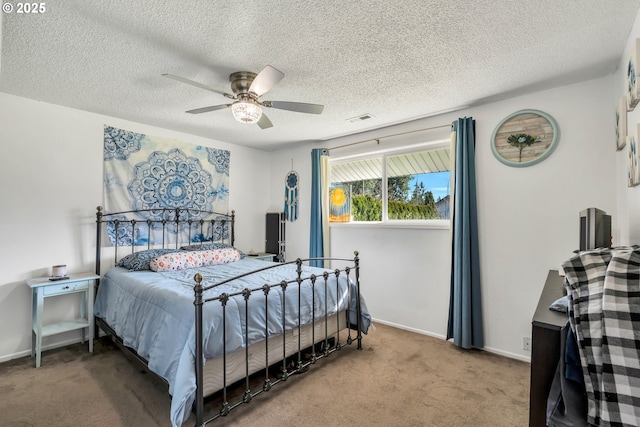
column 508, row 354
column 17, row 355
column 406, row 328
column 442, row 337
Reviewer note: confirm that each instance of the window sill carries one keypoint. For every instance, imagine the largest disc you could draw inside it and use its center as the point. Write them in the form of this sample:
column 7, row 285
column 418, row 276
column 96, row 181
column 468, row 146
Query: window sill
column 436, row 224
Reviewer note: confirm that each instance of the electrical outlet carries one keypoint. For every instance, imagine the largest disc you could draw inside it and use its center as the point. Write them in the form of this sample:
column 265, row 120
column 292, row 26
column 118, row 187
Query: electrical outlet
column 526, row 343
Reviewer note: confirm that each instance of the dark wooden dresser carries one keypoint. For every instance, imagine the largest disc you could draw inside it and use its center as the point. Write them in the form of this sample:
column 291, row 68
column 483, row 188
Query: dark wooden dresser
column 545, row 348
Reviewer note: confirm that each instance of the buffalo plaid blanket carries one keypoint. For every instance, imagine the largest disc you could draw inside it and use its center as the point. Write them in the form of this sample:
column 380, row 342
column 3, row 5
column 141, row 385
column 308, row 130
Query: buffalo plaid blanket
column 603, row 286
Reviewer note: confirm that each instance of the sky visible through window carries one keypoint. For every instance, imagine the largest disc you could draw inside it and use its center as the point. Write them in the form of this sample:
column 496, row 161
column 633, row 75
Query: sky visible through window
column 436, row 182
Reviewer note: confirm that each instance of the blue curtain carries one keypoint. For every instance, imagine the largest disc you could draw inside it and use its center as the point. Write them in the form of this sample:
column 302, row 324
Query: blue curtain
column 465, row 305
column 316, row 239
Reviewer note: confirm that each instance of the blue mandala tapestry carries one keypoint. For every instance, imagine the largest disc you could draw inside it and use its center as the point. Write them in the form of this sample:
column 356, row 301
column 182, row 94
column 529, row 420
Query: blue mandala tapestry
column 148, row 172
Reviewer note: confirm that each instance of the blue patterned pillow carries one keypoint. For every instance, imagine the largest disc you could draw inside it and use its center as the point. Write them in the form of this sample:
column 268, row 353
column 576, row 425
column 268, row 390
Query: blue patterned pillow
column 140, row 260
column 561, row 304
column 209, row 247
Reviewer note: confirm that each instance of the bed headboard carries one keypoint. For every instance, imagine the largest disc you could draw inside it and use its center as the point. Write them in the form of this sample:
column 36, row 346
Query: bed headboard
column 196, row 226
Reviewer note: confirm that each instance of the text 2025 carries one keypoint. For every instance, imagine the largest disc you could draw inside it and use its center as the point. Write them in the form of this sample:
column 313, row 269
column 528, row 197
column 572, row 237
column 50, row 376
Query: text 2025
column 31, row 7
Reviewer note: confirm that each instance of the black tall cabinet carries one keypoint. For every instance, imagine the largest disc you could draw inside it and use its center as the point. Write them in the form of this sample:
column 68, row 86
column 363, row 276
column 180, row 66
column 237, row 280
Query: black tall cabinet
column 545, row 348
column 275, row 235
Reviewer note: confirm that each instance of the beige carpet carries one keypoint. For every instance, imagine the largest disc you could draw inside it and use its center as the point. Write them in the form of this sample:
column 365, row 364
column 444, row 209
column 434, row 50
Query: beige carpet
column 398, row 379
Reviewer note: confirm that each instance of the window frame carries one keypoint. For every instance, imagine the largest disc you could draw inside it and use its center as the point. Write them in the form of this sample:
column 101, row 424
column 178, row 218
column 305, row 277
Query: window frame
column 383, row 154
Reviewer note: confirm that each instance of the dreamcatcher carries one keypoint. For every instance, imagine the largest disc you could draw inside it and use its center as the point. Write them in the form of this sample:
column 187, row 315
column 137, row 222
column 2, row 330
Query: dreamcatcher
column 291, row 196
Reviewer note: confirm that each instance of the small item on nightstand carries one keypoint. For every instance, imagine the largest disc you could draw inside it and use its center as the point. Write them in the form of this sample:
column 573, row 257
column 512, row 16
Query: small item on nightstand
column 59, row 271
column 54, row 279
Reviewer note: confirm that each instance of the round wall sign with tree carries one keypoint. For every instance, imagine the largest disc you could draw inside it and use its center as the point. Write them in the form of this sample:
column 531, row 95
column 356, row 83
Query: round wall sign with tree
column 525, row 138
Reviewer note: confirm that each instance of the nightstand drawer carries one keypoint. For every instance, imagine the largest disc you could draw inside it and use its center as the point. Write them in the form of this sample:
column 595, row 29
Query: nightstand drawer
column 62, row 288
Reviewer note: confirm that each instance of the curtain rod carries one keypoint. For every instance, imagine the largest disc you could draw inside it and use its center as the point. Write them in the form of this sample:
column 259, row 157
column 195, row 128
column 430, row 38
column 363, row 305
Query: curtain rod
column 387, row 136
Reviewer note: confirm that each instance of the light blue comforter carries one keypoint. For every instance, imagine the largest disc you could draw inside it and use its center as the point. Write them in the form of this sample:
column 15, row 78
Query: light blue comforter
column 153, row 313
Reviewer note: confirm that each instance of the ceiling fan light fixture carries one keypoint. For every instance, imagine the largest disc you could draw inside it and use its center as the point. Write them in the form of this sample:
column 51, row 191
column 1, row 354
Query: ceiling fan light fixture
column 246, row 111
column 247, row 88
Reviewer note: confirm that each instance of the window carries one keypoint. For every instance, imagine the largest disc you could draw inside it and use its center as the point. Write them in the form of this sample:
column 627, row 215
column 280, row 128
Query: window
column 415, row 185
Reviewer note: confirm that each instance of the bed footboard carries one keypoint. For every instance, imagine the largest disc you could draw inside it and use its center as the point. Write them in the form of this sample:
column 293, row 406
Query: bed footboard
column 330, row 340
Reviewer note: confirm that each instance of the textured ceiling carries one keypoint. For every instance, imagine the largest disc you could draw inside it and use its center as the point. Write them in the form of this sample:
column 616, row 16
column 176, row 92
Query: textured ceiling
column 395, row 61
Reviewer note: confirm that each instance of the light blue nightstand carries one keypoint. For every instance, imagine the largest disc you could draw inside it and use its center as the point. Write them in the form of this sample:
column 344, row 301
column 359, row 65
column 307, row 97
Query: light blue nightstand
column 42, row 288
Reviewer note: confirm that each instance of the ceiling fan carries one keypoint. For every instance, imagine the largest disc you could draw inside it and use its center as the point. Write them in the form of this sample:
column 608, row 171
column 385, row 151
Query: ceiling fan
column 247, row 88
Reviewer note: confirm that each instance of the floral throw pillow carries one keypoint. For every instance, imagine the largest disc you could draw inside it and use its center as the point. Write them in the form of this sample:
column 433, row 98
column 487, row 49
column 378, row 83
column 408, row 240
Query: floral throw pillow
column 192, row 259
column 210, row 246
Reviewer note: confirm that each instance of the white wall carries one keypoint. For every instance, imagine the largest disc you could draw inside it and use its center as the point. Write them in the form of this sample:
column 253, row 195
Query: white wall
column 528, row 218
column 628, row 197
column 51, row 173
column 297, row 232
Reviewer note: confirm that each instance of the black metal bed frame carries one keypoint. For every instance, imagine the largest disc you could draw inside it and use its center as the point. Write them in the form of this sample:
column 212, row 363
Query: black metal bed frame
column 174, row 216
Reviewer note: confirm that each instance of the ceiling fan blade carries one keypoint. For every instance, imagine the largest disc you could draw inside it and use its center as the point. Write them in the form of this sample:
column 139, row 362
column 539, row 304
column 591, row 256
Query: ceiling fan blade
column 196, row 84
column 264, row 122
column 299, row 107
column 265, row 80
column 207, row 109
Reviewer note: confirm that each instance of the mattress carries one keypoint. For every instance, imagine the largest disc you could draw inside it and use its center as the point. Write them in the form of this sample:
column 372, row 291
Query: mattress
column 153, row 313
column 235, row 362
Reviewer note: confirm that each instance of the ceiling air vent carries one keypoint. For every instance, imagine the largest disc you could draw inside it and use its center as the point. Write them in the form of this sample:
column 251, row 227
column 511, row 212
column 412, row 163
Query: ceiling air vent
column 360, row 118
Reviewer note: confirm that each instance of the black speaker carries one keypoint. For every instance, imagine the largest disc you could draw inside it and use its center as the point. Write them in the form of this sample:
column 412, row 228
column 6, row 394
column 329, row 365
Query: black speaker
column 275, row 235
